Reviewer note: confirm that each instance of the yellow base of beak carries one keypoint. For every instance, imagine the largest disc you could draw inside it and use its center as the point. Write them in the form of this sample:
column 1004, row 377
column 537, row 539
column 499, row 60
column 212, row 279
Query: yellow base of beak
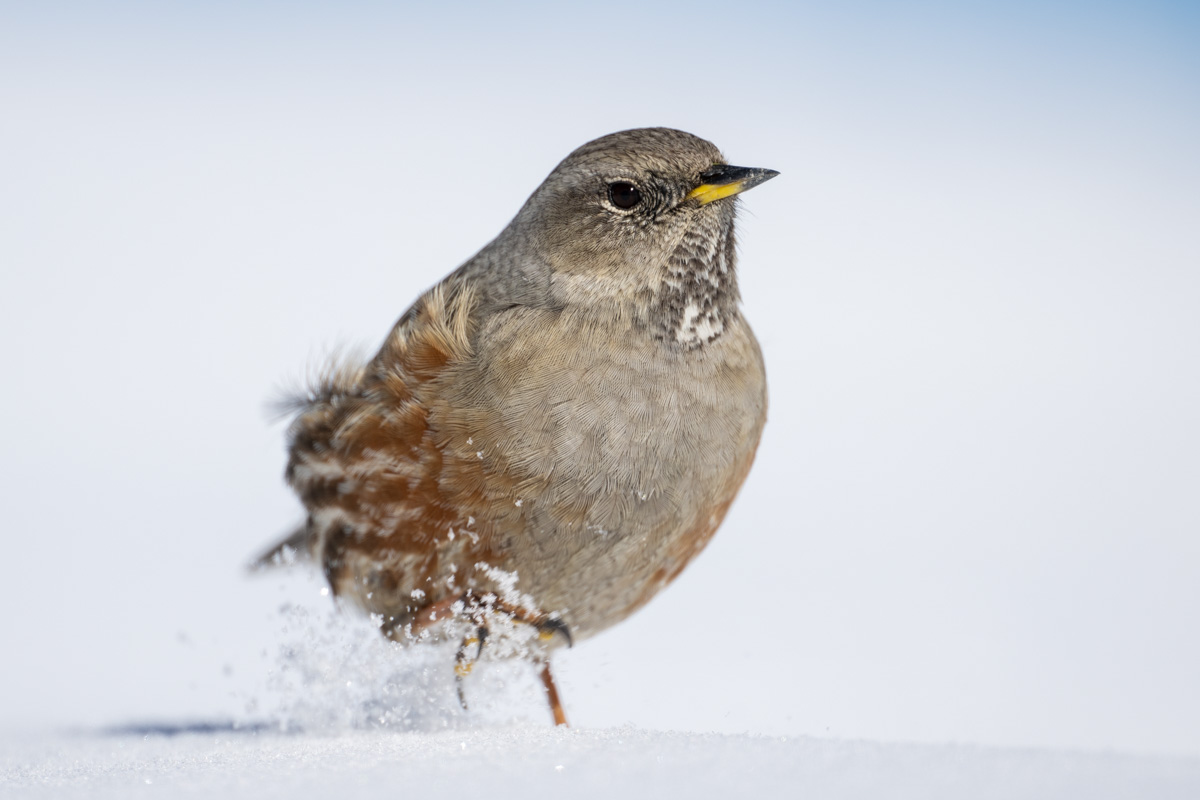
column 709, row 192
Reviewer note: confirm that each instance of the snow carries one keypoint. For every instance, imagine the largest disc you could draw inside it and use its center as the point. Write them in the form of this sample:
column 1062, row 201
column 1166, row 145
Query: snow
column 541, row 761
column 342, row 711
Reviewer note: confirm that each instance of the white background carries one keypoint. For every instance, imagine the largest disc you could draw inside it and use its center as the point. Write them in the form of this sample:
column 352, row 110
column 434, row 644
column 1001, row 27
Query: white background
column 974, row 514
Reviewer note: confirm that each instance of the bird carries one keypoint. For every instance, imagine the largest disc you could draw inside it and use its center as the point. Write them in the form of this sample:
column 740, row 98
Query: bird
column 552, row 432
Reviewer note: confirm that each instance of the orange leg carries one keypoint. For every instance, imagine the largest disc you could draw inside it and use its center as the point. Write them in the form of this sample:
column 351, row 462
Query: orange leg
column 560, row 717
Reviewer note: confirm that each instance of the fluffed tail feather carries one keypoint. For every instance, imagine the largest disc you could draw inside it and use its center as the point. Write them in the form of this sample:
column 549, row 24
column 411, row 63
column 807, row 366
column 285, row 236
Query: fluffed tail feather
column 289, row 551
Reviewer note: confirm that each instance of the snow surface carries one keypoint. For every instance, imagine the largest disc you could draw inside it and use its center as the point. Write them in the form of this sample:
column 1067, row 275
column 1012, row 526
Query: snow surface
column 542, row 761
column 342, row 711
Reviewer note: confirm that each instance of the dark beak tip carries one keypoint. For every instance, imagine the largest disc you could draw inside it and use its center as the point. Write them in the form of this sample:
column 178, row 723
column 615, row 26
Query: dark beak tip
column 727, row 173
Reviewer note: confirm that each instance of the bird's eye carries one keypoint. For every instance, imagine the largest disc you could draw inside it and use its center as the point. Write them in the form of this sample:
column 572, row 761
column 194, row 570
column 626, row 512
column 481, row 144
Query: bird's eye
column 623, row 194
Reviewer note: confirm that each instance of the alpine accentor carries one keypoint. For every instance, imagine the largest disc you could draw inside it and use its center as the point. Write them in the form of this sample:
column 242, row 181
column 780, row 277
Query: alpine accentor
column 549, row 435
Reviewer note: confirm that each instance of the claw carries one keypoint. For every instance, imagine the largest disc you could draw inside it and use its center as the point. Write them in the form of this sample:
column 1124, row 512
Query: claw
column 458, row 689
column 547, row 629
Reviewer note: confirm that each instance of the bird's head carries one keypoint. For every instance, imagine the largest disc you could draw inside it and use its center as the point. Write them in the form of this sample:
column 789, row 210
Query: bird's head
column 629, row 213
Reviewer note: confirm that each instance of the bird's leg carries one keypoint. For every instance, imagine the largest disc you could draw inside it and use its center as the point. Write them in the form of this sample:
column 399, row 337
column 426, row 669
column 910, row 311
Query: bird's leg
column 476, row 610
column 463, row 663
column 560, row 717
column 547, row 629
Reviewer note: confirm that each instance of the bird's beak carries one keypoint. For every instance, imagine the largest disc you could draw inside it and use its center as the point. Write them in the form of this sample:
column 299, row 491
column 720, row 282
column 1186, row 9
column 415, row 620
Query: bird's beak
column 721, row 181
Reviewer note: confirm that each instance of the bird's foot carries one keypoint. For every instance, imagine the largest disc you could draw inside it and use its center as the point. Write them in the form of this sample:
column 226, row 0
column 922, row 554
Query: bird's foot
column 463, row 663
column 477, row 610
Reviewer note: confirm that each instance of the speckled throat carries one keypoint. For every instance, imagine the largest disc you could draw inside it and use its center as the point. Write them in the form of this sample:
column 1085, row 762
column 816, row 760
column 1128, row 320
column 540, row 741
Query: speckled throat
column 698, row 293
